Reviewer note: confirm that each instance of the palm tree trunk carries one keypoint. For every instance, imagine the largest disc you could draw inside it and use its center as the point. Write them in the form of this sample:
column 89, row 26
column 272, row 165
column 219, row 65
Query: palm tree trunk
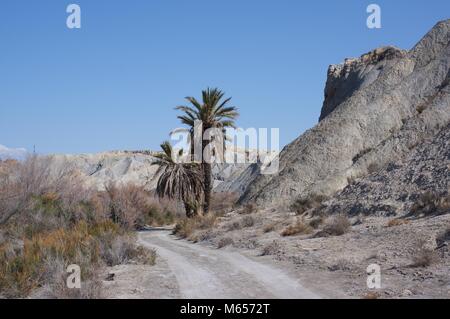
column 207, row 187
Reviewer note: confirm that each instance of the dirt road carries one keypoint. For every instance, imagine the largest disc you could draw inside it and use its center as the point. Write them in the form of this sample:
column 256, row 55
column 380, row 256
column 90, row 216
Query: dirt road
column 203, row 272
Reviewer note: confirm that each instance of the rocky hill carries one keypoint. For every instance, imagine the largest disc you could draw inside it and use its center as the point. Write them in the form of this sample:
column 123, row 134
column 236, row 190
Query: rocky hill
column 377, row 110
column 126, row 167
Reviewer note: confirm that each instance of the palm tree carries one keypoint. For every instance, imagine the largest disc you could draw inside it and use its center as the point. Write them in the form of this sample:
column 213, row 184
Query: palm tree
column 213, row 112
column 179, row 181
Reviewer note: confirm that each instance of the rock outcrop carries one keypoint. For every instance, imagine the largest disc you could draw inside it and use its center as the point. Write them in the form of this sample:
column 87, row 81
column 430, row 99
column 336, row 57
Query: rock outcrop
column 354, row 74
column 392, row 102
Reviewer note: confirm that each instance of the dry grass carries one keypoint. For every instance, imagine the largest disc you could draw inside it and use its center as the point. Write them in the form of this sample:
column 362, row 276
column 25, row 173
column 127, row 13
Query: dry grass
column 299, row 228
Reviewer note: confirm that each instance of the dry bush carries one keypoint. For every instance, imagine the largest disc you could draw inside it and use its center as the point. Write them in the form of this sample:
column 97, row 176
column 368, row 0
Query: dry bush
column 234, row 226
column 51, row 220
column 299, row 228
column 123, row 249
column 24, row 270
column 371, row 295
column 397, row 222
column 37, row 178
column 316, row 222
column 373, row 168
column 222, row 203
column 443, row 238
column 335, row 226
column 269, row 227
column 303, row 205
column 430, row 204
column 271, row 249
column 423, row 256
column 224, row 242
column 127, row 204
column 248, row 221
column 249, row 208
column 186, row 228
column 133, row 207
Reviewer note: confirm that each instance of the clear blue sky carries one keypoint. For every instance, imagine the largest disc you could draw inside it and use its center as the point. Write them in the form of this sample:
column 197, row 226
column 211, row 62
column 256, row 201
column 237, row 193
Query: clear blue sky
column 114, row 83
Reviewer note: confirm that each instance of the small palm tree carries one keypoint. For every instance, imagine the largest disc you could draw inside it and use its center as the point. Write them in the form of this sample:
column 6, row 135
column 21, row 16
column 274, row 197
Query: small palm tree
column 214, row 112
column 179, row 181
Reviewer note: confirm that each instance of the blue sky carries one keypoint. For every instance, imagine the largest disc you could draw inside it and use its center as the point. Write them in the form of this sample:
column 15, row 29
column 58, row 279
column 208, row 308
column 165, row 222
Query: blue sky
column 113, row 84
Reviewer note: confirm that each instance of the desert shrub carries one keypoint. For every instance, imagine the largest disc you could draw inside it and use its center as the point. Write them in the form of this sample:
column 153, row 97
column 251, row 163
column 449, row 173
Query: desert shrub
column 159, row 212
column 24, row 270
column 234, row 226
column 249, row 208
column 269, row 227
column 127, row 204
column 39, row 180
column 373, row 168
column 302, row 205
column 423, row 256
column 443, row 238
column 316, row 222
column 371, row 295
column 397, row 222
column 133, row 207
column 248, row 221
column 222, row 203
column 224, row 242
column 429, row 204
column 123, row 249
column 299, row 228
column 271, row 249
column 51, row 220
column 185, row 228
column 335, row 226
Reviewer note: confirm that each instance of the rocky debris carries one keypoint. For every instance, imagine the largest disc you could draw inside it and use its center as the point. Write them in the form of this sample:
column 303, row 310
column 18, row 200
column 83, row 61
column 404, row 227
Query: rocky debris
column 395, row 188
column 393, row 110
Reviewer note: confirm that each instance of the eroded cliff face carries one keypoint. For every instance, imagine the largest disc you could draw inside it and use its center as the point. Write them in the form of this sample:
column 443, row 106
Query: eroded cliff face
column 391, row 101
column 354, row 74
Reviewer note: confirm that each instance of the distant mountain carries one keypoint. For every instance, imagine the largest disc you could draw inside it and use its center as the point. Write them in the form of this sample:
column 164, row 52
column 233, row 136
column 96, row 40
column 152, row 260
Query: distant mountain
column 125, row 167
column 12, row 153
column 378, row 108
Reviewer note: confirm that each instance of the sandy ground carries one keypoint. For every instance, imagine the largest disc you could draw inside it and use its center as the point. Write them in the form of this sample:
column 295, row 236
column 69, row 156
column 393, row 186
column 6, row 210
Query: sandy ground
column 186, row 270
column 337, row 266
column 300, row 266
